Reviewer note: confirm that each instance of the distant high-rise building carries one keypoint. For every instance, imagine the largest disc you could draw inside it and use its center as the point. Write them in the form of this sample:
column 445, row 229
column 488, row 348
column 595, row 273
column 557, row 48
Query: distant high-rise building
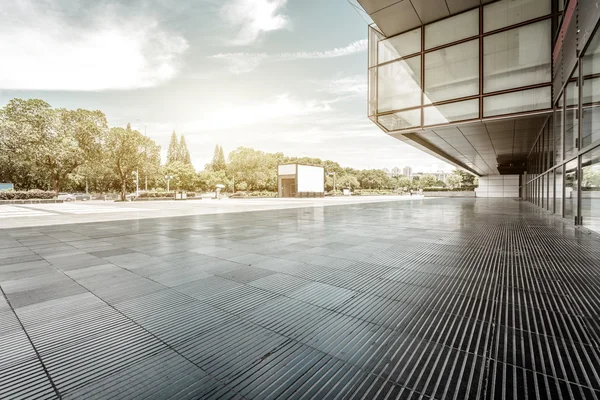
column 407, row 171
column 396, row 171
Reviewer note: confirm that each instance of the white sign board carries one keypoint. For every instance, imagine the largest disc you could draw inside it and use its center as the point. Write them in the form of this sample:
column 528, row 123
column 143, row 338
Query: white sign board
column 311, row 179
column 288, row 169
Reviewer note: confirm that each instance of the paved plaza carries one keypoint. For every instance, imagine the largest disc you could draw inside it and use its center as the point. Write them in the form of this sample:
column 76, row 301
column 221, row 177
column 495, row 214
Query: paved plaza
column 421, row 299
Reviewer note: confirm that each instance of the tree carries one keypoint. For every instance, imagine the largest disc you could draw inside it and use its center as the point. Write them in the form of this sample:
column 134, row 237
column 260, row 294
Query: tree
column 173, row 151
column 373, row 179
column 23, row 126
column 405, row 182
column 218, row 161
column 253, row 169
column 467, row 178
column 184, row 154
column 43, row 146
column 427, row 181
column 347, row 180
column 454, row 180
column 207, row 180
column 125, row 154
column 184, row 175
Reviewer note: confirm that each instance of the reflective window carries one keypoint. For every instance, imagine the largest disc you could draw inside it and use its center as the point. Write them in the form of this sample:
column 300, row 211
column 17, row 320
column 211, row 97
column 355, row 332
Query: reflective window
column 452, row 72
column 399, row 85
column 571, row 117
column 459, row 111
column 401, row 120
column 544, row 191
column 372, row 91
column 550, row 206
column 510, row 12
column 590, row 124
column 571, row 190
column 517, row 57
column 590, row 189
column 452, row 29
column 399, row 46
column 558, row 127
column 558, row 190
column 524, row 100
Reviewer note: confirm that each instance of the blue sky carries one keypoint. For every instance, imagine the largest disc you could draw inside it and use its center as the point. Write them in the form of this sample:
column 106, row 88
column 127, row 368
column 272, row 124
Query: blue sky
column 276, row 75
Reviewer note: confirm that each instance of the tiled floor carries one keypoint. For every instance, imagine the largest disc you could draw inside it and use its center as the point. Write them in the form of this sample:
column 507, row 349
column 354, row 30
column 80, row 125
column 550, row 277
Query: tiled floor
column 436, row 299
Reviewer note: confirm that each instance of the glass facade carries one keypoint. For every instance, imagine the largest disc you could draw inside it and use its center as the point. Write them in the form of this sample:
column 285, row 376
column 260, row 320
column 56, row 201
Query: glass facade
column 563, row 167
column 490, row 61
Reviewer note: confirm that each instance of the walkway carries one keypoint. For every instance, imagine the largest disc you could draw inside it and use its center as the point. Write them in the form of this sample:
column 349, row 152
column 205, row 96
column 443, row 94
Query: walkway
column 436, row 299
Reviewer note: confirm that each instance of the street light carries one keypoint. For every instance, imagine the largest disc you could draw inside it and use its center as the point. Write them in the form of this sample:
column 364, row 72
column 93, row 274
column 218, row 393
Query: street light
column 168, row 179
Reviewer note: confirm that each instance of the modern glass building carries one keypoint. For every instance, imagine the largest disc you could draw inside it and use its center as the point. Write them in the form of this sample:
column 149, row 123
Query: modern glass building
column 507, row 90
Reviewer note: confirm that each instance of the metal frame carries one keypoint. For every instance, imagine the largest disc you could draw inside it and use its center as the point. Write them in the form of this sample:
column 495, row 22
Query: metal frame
column 481, row 95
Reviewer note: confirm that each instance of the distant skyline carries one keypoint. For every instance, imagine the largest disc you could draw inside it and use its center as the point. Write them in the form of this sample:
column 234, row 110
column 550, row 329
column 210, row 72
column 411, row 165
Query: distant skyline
column 274, row 75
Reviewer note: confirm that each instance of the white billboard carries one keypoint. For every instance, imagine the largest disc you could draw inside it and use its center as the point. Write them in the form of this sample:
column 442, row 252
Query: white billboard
column 288, row 169
column 311, row 179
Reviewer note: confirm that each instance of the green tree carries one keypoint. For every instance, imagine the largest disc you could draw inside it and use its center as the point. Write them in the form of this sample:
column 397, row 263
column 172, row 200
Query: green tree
column 207, row 180
column 348, row 180
column 173, row 151
column 405, row 182
column 253, row 169
column 184, row 175
column 126, row 151
column 374, row 179
column 184, row 154
column 454, row 180
column 23, row 126
column 467, row 179
column 427, row 181
column 218, row 162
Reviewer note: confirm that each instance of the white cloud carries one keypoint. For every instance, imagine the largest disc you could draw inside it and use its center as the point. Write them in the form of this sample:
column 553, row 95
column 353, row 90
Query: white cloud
column 248, row 19
column 43, row 47
column 246, row 62
column 347, row 85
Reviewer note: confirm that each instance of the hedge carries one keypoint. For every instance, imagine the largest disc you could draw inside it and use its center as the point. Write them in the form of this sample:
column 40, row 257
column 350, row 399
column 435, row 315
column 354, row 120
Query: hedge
column 29, row 195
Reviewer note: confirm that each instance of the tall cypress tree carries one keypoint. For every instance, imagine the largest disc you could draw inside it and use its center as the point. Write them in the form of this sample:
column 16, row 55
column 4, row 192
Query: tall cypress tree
column 218, row 161
column 222, row 162
column 184, row 154
column 173, row 152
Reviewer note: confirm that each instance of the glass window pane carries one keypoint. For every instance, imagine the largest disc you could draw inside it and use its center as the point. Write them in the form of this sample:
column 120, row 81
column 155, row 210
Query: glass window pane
column 510, row 12
column 372, row 91
column 551, row 191
column 571, row 119
column 524, row 100
column 400, row 46
column 590, row 128
column 518, row 57
column 571, row 190
column 452, row 29
column 401, row 120
column 459, row 111
column 558, row 127
column 544, row 192
column 452, row 72
column 558, row 187
column 399, row 85
column 590, row 190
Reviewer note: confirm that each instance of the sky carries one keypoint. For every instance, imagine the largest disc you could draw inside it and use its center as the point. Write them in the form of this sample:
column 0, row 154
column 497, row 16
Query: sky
column 275, row 75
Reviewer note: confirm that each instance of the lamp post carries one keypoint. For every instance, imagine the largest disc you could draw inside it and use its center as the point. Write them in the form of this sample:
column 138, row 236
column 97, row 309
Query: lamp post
column 168, row 179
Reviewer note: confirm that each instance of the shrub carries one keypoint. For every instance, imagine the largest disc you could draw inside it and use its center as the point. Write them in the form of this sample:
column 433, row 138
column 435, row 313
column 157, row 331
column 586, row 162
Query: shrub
column 27, row 195
column 146, row 195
